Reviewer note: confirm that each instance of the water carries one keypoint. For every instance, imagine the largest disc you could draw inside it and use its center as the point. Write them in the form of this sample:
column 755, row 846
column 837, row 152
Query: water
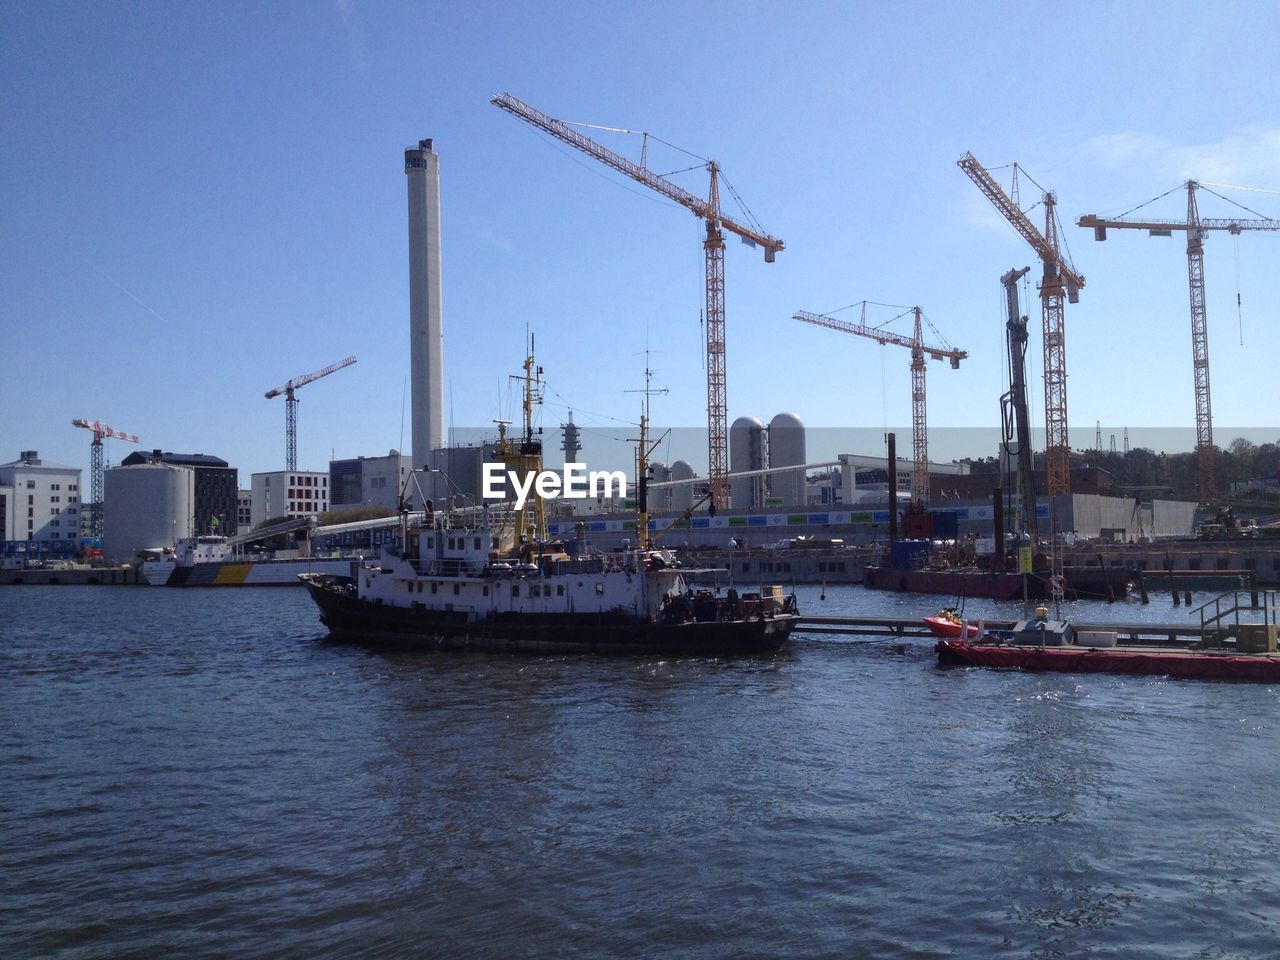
column 195, row 773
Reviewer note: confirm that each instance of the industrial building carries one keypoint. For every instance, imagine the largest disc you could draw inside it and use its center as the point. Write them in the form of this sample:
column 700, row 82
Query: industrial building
column 285, row 494
column 217, row 483
column 368, row 481
column 39, row 507
column 146, row 506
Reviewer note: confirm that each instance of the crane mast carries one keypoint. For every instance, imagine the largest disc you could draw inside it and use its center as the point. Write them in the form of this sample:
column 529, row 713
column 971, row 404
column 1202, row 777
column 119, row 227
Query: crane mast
column 707, row 210
column 1059, row 279
column 291, row 408
column 919, row 409
column 1196, row 228
column 100, row 430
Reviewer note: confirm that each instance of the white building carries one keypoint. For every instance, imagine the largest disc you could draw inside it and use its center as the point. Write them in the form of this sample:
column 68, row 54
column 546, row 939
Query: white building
column 284, row 494
column 244, row 510
column 40, row 503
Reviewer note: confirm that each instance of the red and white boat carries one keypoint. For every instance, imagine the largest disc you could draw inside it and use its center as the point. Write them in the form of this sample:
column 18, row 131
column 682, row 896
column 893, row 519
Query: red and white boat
column 948, row 625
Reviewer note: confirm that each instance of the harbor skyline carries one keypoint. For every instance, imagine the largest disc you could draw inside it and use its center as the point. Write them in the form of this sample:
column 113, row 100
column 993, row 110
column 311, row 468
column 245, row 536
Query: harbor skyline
column 237, row 214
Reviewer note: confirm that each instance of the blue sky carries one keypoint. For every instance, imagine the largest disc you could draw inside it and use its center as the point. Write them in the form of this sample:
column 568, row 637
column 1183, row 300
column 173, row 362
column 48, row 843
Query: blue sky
column 202, row 201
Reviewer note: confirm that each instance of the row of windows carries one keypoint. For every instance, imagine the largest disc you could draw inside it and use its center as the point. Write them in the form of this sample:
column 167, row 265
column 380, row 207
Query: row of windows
column 302, row 506
column 535, row 590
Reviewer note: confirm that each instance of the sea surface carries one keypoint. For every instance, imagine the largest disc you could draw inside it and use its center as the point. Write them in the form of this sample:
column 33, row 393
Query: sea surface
column 199, row 773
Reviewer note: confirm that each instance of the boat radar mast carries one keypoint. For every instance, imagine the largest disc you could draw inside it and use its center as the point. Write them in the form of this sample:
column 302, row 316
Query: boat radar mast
column 524, row 457
column 643, row 450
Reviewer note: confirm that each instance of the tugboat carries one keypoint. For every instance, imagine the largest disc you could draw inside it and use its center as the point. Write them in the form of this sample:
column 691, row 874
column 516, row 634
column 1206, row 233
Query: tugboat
column 452, row 584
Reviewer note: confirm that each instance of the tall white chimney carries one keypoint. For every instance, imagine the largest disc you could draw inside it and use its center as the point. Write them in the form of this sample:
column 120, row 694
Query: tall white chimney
column 426, row 322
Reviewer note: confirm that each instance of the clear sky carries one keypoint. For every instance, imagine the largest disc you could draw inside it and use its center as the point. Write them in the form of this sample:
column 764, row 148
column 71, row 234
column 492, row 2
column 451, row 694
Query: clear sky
column 202, row 201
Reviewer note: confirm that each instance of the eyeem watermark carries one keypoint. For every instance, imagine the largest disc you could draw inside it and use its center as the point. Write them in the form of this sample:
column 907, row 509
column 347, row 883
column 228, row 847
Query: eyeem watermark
column 574, row 484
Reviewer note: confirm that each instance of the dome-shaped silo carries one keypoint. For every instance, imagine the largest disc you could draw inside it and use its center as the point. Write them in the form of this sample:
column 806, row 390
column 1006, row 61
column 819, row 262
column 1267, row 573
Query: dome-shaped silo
column 786, row 447
column 682, row 496
column 146, row 506
column 747, row 451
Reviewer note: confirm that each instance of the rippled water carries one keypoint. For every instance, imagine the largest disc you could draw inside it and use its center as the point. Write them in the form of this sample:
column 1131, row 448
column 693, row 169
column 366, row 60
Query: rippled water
column 195, row 773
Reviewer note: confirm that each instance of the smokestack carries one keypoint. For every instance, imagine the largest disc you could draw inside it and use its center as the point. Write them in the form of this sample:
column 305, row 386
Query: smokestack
column 426, row 321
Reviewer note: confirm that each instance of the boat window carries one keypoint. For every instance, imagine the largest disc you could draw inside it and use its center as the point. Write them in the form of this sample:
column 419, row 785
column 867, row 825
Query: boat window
column 477, row 543
column 410, row 586
column 559, row 589
column 515, row 589
column 456, row 589
column 486, row 589
column 433, row 587
column 600, row 589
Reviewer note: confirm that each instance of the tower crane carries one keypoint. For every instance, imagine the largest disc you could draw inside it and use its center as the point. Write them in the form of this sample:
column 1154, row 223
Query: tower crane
column 716, row 223
column 1059, row 277
column 918, row 348
column 291, row 408
column 1196, row 227
column 100, row 430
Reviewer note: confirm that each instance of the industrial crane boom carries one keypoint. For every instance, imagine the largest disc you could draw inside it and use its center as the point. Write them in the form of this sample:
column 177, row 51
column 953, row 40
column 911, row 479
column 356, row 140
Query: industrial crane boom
column 291, row 408
column 882, row 336
column 101, row 430
column 297, row 382
column 919, row 410
column 1047, row 251
column 713, row 247
column 702, row 209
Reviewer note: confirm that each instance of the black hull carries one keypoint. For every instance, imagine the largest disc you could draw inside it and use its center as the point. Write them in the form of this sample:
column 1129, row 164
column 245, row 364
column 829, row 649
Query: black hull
column 351, row 619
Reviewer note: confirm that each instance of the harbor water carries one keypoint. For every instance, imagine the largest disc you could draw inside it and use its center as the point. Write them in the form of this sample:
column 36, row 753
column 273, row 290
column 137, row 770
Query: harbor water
column 198, row 773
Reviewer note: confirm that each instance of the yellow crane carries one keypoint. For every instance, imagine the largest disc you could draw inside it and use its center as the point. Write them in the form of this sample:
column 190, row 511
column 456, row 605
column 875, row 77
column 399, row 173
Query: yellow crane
column 1196, row 227
column 1059, row 278
column 707, row 210
column 918, row 348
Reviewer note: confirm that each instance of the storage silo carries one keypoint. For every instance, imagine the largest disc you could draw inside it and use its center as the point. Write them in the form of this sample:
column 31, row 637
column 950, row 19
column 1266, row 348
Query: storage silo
column 786, row 447
column 747, row 451
column 659, row 499
column 146, row 506
column 682, row 496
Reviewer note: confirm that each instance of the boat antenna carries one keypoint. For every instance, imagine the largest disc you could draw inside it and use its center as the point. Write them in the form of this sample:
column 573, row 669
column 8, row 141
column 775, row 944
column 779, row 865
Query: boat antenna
column 643, row 451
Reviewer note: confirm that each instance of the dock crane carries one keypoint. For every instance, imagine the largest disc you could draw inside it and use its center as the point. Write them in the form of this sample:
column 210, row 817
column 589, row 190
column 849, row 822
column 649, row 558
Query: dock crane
column 1196, row 227
column 291, row 408
column 100, row 430
column 716, row 223
column 1059, row 278
column 915, row 343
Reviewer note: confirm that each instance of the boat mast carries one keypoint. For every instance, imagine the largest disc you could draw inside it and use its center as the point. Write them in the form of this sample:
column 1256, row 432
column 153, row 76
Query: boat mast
column 526, row 461
column 643, row 451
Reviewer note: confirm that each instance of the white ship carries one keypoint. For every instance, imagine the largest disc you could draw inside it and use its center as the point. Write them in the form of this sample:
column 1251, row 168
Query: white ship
column 207, row 561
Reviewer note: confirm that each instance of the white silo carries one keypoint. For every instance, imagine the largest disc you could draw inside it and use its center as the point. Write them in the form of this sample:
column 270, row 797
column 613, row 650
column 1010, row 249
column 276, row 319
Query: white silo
column 747, row 451
column 659, row 499
column 146, row 506
column 682, row 496
column 786, row 447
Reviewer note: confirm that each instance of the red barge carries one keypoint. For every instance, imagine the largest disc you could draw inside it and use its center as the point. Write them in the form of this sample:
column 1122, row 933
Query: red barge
column 1160, row 661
